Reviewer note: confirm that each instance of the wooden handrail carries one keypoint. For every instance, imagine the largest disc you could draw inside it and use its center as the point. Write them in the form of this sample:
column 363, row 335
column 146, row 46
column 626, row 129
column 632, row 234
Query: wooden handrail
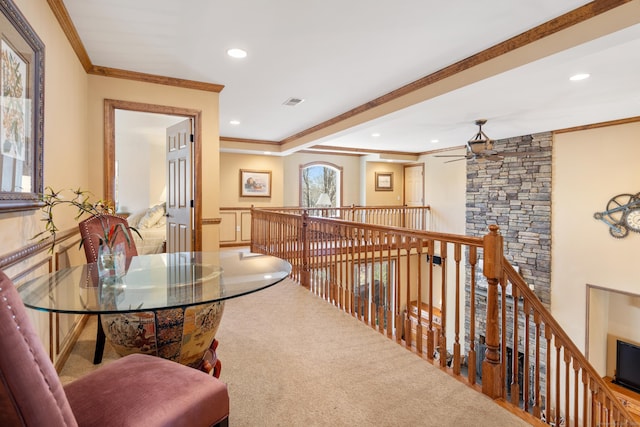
column 397, row 281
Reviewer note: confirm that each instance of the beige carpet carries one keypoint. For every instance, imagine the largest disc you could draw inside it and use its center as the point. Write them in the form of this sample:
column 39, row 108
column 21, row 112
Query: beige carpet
column 291, row 359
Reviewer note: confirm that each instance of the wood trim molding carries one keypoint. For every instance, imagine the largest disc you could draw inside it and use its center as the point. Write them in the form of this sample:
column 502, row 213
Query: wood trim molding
column 599, row 125
column 248, row 141
column 110, row 106
column 233, row 208
column 546, row 29
column 211, row 221
column 153, row 78
column 26, row 252
column 62, row 15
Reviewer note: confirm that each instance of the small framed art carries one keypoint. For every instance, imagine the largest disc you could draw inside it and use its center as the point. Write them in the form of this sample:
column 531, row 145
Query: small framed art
column 255, row 183
column 384, row 181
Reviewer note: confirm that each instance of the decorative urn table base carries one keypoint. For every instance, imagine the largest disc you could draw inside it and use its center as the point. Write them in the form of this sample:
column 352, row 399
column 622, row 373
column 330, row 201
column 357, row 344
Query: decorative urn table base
column 183, row 335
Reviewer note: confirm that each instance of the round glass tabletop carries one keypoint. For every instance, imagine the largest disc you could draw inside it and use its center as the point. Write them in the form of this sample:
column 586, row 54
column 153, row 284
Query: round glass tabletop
column 157, row 281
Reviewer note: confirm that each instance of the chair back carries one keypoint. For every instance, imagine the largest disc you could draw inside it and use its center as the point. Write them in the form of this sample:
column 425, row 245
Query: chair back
column 92, row 227
column 31, row 393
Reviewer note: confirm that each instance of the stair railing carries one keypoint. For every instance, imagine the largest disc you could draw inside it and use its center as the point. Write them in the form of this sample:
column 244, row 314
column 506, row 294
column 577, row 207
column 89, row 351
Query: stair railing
column 455, row 301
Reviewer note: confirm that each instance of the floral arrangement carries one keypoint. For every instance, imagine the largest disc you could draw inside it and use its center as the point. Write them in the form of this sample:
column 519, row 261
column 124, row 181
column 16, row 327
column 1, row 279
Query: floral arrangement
column 81, row 200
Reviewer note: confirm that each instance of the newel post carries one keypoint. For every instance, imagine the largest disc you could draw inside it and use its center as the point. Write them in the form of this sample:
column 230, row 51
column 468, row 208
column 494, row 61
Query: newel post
column 492, row 381
column 304, row 237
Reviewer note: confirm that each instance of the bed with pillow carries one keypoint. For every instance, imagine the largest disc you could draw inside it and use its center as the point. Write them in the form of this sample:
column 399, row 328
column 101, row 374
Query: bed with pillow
column 151, row 224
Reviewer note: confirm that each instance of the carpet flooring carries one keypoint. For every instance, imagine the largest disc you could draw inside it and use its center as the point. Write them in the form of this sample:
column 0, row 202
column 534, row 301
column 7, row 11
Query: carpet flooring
column 291, row 359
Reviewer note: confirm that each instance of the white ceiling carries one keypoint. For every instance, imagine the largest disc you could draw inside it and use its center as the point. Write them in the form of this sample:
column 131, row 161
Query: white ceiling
column 338, row 55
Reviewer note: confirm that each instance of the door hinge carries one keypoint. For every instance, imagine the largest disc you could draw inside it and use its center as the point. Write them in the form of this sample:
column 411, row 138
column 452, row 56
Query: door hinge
column 192, row 204
column 191, row 137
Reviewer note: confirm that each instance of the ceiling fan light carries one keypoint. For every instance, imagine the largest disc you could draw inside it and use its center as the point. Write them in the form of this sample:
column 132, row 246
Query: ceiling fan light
column 477, row 146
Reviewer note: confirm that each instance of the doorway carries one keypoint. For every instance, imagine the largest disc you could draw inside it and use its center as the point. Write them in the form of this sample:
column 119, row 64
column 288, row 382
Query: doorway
column 110, row 109
column 414, row 185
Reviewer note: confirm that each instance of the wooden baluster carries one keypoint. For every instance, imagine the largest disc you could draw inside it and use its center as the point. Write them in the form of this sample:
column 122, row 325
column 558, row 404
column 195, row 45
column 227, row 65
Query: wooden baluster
column 576, row 393
column 536, row 401
column 547, row 407
column 388, row 317
column 503, row 335
column 457, row 256
column 525, row 366
column 367, row 281
column 558, row 345
column 442, row 340
column 471, row 358
column 567, row 386
column 493, row 254
column 515, row 354
column 419, row 341
column 397, row 311
column 595, row 412
column 407, row 322
column 305, row 244
column 373, row 309
column 351, row 272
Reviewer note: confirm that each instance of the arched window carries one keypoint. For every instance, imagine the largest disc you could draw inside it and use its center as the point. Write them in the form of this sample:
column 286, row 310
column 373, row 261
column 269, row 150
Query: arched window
column 320, row 185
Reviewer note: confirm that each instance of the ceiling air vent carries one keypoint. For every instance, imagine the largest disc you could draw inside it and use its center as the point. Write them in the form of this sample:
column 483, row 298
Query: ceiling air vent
column 292, row 102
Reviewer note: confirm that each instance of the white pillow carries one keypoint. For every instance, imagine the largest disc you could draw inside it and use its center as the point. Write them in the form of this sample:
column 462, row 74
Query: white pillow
column 135, row 217
column 151, row 217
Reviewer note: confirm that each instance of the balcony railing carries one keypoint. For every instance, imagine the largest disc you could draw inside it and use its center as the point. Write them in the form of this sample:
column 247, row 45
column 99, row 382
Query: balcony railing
column 455, row 300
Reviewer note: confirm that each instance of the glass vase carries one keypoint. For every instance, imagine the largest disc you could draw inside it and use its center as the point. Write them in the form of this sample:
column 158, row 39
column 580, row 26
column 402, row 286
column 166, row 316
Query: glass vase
column 111, row 261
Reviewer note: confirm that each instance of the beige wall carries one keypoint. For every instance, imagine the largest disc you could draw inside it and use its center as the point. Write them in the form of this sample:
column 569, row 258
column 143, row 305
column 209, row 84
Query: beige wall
column 384, row 198
column 445, row 192
column 65, row 123
column 101, row 88
column 73, row 128
column 591, row 167
column 230, row 165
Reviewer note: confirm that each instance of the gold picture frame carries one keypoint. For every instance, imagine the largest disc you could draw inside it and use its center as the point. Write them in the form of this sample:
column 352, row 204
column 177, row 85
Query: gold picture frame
column 255, row 183
column 384, row 181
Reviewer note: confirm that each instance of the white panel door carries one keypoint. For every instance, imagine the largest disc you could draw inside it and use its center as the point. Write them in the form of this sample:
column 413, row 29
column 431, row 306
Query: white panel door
column 179, row 187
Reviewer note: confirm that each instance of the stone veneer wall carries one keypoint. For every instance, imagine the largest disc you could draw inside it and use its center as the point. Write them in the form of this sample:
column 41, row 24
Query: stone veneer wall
column 515, row 194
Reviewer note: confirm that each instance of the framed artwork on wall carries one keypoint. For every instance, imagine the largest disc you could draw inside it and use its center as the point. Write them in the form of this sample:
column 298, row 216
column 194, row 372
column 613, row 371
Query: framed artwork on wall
column 21, row 112
column 255, row 183
column 384, row 181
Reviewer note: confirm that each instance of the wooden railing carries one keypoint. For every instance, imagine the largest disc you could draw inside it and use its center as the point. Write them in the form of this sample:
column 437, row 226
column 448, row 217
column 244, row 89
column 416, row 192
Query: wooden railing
column 454, row 300
column 412, row 217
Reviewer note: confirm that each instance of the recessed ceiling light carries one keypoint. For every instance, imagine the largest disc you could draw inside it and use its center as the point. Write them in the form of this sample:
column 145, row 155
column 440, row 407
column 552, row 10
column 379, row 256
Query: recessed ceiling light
column 577, row 77
column 434, row 141
column 267, row 153
column 234, row 122
column 375, row 134
column 237, row 53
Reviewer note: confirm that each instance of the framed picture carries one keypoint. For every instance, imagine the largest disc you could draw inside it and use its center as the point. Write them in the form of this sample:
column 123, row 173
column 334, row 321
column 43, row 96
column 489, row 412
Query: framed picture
column 21, row 111
column 384, row 181
column 255, row 183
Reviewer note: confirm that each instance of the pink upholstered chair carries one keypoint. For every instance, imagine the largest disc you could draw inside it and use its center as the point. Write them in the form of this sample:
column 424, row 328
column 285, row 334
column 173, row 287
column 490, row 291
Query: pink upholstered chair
column 90, row 230
column 136, row 390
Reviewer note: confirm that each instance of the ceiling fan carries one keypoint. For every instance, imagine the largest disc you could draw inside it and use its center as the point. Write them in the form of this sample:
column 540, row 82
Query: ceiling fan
column 480, row 147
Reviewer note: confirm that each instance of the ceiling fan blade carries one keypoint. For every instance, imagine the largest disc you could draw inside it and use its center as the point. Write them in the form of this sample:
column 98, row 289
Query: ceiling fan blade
column 517, row 154
column 450, row 155
column 456, row 160
column 493, row 158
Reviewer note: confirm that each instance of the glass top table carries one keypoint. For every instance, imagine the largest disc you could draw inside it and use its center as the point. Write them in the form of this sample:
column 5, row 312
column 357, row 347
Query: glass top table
column 152, row 282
